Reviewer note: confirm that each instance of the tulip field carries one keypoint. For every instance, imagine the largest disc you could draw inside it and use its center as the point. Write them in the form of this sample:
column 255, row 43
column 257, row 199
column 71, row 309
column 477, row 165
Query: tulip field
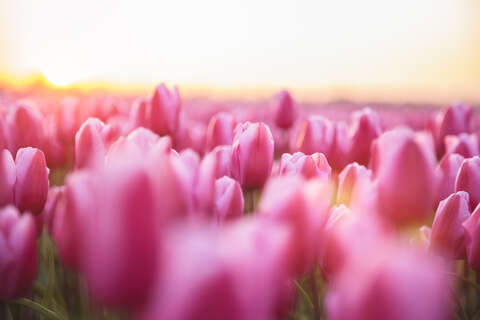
column 116, row 206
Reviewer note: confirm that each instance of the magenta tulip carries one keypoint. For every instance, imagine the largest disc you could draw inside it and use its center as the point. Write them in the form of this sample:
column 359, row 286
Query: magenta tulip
column 447, row 171
column 223, row 160
column 26, row 128
column 309, row 166
column 252, row 154
column 468, row 179
column 220, row 130
column 349, row 181
column 365, row 128
column 18, row 253
column 31, row 184
column 163, row 110
column 315, row 135
column 448, row 234
column 285, row 110
column 405, row 176
column 7, row 178
column 464, row 144
column 90, row 145
column 228, row 200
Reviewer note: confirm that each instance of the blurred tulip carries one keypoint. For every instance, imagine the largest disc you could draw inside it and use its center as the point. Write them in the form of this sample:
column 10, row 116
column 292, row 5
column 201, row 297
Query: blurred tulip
column 285, row 110
column 31, row 184
column 18, row 253
column 7, row 178
column 468, row 179
column 464, row 144
column 338, row 154
column 223, row 160
column 448, row 235
column 309, row 166
column 395, row 283
column 204, row 193
column 447, row 171
column 365, row 128
column 252, row 154
column 315, row 135
column 349, row 182
column 89, row 144
column 125, row 227
column 138, row 114
column 452, row 121
column 163, row 110
column 26, row 128
column 220, row 130
column 54, row 199
column 228, row 200
column 405, row 176
column 68, row 120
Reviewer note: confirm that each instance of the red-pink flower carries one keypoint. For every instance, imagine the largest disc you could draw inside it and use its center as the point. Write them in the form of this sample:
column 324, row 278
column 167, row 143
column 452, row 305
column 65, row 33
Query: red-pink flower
column 7, row 177
column 252, row 154
column 31, row 184
column 364, row 129
column 464, row 144
column 468, row 179
column 18, row 253
column 163, row 110
column 90, row 145
column 316, row 134
column 220, row 130
column 447, row 170
column 350, row 180
column 228, row 200
column 285, row 110
column 309, row 166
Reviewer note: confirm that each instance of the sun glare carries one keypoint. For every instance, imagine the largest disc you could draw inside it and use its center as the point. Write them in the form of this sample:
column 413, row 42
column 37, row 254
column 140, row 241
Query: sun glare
column 58, row 79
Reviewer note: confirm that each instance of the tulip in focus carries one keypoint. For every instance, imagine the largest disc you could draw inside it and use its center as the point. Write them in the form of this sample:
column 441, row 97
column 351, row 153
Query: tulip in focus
column 448, row 234
column 31, row 184
column 18, row 253
column 163, row 110
column 252, row 154
column 309, row 166
column 405, row 177
column 229, row 201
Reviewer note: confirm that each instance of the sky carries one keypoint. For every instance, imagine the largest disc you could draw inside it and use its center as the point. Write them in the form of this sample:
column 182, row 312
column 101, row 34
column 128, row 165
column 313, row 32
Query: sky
column 418, row 46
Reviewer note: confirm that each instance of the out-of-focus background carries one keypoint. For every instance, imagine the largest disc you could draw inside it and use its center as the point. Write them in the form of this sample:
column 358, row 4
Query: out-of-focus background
column 410, row 50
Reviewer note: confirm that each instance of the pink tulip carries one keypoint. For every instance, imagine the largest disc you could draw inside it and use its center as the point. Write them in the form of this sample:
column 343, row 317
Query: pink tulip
column 7, row 178
column 472, row 239
column 204, row 193
column 395, row 282
column 67, row 120
column 54, row 199
column 468, row 179
column 464, row 144
column 252, row 154
column 120, row 257
column 90, row 145
column 220, row 130
column 285, row 110
column 447, row 171
column 26, row 128
column 349, row 181
column 228, row 200
column 309, row 166
column 405, row 176
column 223, row 160
column 18, row 253
column 31, row 184
column 452, row 121
column 191, row 159
column 315, row 135
column 163, row 110
column 339, row 150
column 138, row 114
column 365, row 128
column 448, row 235
column 285, row 200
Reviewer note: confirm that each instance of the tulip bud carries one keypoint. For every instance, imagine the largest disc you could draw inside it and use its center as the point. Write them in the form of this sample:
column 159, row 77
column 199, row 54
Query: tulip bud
column 309, row 166
column 405, row 176
column 338, row 154
column 349, row 180
column 365, row 128
column 26, row 128
column 452, row 121
column 285, row 110
column 89, row 144
column 447, row 171
column 252, row 154
column 31, row 185
column 223, row 160
column 448, row 234
column 228, row 200
column 220, row 130
column 138, row 114
column 54, row 198
column 18, row 258
column 7, row 178
column 204, row 194
column 468, row 179
column 464, row 144
column 163, row 110
column 315, row 135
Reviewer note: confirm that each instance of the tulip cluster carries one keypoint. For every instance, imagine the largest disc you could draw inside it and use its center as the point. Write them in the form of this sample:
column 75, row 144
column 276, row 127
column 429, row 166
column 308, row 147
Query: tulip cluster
column 163, row 208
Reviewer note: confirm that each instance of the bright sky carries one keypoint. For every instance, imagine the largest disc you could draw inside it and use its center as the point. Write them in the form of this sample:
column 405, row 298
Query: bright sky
column 431, row 44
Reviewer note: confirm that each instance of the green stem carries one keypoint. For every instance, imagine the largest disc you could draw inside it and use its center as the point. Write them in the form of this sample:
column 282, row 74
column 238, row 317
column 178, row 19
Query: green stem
column 316, row 306
column 304, row 293
column 38, row 308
